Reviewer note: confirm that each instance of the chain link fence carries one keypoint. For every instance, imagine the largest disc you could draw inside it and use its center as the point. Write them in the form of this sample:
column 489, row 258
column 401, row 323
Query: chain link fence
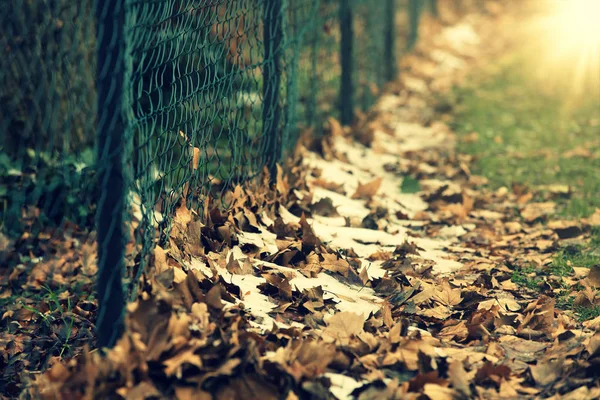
column 114, row 112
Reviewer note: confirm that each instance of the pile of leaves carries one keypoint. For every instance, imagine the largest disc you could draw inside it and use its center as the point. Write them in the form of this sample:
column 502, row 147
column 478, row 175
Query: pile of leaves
column 47, row 301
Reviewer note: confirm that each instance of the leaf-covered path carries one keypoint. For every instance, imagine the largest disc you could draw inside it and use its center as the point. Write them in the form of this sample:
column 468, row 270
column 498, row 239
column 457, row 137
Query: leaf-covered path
column 382, row 268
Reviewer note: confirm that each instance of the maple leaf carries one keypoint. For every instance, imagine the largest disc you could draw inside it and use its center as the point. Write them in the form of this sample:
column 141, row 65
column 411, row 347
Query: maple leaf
column 448, row 296
column 344, row 325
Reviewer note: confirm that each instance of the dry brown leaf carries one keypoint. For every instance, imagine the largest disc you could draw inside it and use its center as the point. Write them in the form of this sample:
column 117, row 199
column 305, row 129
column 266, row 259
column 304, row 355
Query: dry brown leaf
column 594, row 276
column 534, row 211
column 593, row 346
column 368, row 190
column 309, row 239
column 386, row 314
column 195, row 158
column 565, row 229
column 141, row 391
column 491, row 372
column 332, row 263
column 160, row 260
column 546, row 372
column 191, row 393
column 578, row 152
column 448, row 296
column 344, row 325
column 439, row 312
column 364, row 275
column 282, row 185
column 594, row 219
column 434, row 391
column 213, row 297
column 460, row 210
column 582, row 393
column 174, row 365
column 324, row 207
column 593, row 324
column 335, row 127
column 458, row 331
column 459, row 378
column 334, row 187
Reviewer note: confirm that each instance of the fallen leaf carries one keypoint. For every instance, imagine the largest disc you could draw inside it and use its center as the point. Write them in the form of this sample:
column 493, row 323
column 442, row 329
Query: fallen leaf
column 335, row 127
column 594, row 219
column 594, row 276
column 459, row 378
column 343, row 325
column 448, row 296
column 174, row 365
column 534, row 211
column 546, row 372
column 434, row 391
column 579, row 152
column 367, row 190
column 565, row 229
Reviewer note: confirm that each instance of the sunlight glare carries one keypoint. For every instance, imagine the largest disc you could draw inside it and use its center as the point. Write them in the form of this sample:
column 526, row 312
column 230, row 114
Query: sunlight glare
column 571, row 45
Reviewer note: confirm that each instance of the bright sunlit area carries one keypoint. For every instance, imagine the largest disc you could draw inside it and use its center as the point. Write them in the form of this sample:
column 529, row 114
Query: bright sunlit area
column 531, row 114
column 565, row 41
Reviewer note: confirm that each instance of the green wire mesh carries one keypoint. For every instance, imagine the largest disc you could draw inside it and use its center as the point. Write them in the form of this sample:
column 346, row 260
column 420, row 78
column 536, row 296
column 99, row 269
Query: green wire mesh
column 199, row 116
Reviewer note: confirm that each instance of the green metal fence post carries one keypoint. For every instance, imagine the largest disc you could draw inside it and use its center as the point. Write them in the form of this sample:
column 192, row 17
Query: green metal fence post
column 271, row 116
column 111, row 137
column 433, row 5
column 414, row 16
column 390, row 63
column 346, row 47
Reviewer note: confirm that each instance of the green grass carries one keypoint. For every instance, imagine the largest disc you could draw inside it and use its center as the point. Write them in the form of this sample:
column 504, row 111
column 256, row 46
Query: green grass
column 577, row 256
column 562, row 265
column 59, row 313
column 565, row 301
column 526, row 277
column 524, row 133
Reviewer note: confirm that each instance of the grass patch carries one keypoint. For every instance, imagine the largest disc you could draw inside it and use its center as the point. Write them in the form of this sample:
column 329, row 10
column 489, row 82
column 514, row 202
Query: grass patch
column 526, row 277
column 52, row 312
column 565, row 301
column 586, row 313
column 577, row 256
